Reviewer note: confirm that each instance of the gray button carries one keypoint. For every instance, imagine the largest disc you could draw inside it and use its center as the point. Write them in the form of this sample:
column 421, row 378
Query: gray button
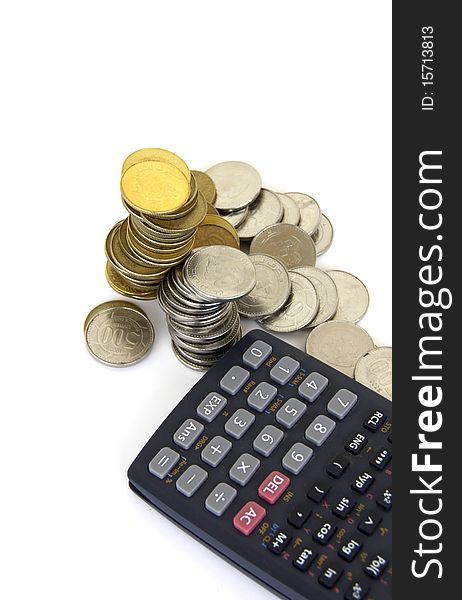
column 319, row 430
column 312, row 386
column 284, row 369
column 256, row 355
column 211, row 406
column 238, row 423
column 243, row 469
column 220, row 498
column 163, row 461
column 342, row 403
column 216, row 450
column 267, row 440
column 290, row 412
column 262, row 396
column 187, row 434
column 234, row 380
column 191, row 480
column 296, row 458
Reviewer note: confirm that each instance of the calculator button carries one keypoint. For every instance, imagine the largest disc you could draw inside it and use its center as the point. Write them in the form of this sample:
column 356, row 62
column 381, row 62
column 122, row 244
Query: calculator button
column 216, row 450
column 187, row 434
column 290, row 412
column 220, row 498
column 319, row 491
column 375, row 421
column 341, row 404
column 249, row 517
column 243, row 469
column 163, row 461
column 363, row 482
column 343, row 507
column 267, row 440
column 381, row 458
column 262, row 396
column 191, row 480
column 319, row 430
column 357, row 591
column 369, row 523
column 376, row 566
column 284, row 369
column 256, row 355
column 239, row 423
column 272, row 488
column 296, row 458
column 234, row 380
column 350, row 549
column 312, row 386
column 385, row 499
column 279, row 543
column 356, row 443
column 305, row 559
column 330, row 577
column 324, row 533
column 211, row 406
column 337, row 467
column 299, row 516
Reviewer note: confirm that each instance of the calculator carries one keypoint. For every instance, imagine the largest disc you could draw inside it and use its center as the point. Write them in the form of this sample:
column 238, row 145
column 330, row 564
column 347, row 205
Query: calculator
column 281, row 465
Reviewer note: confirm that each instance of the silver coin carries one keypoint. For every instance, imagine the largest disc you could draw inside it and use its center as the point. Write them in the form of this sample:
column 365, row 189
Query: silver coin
column 300, row 309
column 326, row 291
column 291, row 210
column 202, row 345
column 290, row 244
column 323, row 236
column 220, row 273
column 340, row 344
column 375, row 370
column 118, row 333
column 353, row 297
column 237, row 183
column 236, row 217
column 271, row 290
column 310, row 213
column 266, row 210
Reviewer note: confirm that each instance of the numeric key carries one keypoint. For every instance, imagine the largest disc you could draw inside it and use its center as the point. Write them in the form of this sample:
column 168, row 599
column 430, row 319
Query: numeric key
column 319, row 430
column 312, row 386
column 267, row 440
column 284, row 369
column 261, row 396
column 296, row 458
column 290, row 412
column 239, row 423
column 256, row 355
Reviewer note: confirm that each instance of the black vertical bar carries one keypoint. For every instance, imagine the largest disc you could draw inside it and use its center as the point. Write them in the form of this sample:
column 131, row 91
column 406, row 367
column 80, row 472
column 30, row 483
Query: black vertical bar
column 426, row 129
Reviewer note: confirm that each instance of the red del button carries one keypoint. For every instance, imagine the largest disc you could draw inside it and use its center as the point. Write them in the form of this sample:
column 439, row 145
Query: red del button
column 273, row 487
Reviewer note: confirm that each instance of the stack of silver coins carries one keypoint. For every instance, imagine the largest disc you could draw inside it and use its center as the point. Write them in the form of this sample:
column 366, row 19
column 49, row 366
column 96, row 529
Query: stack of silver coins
column 199, row 301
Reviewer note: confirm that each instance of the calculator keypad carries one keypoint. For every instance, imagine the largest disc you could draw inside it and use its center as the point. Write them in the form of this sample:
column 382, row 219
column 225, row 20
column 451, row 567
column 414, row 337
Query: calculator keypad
column 256, row 355
column 244, row 468
column 284, row 369
column 163, row 461
column 216, row 450
column 187, row 433
column 296, row 458
column 239, row 423
column 290, row 412
column 234, row 380
column 220, row 498
column 319, row 430
column 261, row 396
column 211, row 406
column 191, row 480
column 267, row 440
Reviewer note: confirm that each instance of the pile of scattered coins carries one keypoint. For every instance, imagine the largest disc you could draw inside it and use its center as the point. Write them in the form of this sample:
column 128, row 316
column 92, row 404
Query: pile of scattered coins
column 180, row 243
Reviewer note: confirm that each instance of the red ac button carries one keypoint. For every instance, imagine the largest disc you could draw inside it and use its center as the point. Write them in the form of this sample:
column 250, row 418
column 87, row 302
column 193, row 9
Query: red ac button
column 273, row 487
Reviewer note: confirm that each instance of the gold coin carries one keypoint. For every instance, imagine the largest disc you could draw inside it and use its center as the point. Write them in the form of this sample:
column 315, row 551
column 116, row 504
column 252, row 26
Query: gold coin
column 221, row 222
column 154, row 187
column 156, row 154
column 183, row 224
column 212, row 232
column 211, row 210
column 126, row 288
column 206, row 186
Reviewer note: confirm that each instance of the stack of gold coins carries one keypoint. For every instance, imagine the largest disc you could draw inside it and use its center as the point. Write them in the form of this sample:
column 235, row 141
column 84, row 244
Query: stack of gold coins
column 165, row 207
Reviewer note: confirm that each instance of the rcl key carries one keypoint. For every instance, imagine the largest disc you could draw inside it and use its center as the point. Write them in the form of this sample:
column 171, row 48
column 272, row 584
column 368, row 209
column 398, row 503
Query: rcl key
column 249, row 517
column 374, row 421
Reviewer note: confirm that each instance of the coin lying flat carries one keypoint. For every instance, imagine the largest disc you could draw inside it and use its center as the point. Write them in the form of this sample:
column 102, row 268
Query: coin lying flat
column 310, row 213
column 206, row 186
column 264, row 211
column 271, row 290
column 290, row 244
column 326, row 291
column 375, row 371
column 154, row 186
column 156, row 154
column 220, row 273
column 237, row 184
column 237, row 217
column 353, row 297
column 323, row 235
column 118, row 333
column 291, row 210
column 299, row 310
column 340, row 344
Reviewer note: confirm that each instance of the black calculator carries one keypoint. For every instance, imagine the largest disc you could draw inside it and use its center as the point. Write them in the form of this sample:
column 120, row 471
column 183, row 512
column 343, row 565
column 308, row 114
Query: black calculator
column 281, row 465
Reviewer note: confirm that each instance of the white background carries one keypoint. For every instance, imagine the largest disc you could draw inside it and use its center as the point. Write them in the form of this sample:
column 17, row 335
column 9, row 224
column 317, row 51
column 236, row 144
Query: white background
column 301, row 90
